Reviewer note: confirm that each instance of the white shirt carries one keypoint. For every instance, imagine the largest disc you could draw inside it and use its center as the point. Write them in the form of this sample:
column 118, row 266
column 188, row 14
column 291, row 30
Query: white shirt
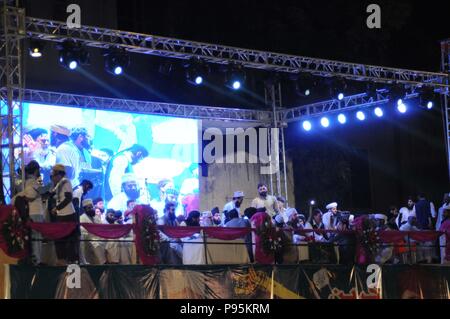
column 64, row 186
column 31, row 191
column 405, row 213
column 326, row 220
column 230, row 206
column 119, row 166
column 269, row 203
column 78, row 193
column 69, row 155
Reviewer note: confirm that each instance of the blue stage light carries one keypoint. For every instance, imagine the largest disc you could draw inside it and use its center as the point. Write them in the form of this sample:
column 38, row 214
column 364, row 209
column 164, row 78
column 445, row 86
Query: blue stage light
column 307, row 126
column 402, row 108
column 118, row 70
column 360, row 115
column 198, row 80
column 430, row 105
column 378, row 112
column 73, row 65
column 342, row 118
column 340, row 96
column 324, row 122
column 236, row 85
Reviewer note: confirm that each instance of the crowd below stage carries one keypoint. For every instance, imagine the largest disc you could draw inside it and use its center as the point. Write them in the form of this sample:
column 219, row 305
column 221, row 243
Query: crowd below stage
column 319, row 238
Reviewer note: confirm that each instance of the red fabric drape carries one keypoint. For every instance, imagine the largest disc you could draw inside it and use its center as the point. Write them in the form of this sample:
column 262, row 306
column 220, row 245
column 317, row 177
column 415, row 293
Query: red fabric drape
column 398, row 236
column 53, row 231
column 108, row 231
column 226, row 233
column 180, row 232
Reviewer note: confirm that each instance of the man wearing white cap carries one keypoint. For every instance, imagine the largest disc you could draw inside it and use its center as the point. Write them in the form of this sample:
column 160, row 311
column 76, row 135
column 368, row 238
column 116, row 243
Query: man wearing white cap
column 130, row 190
column 405, row 212
column 329, row 219
column 92, row 251
column 238, row 197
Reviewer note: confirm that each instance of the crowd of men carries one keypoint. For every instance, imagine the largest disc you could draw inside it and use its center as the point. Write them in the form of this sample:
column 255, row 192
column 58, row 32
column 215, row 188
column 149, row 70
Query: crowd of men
column 67, row 204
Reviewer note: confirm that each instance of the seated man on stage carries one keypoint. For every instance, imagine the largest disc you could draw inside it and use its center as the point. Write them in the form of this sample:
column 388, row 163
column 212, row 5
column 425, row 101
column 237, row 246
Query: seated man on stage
column 119, row 251
column 92, row 251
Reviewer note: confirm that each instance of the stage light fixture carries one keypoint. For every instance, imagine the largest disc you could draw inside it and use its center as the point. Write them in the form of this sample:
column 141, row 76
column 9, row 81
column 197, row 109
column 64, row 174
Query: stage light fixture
column 338, row 87
column 397, row 93
column 196, row 71
column 325, row 122
column 36, row 48
column 307, row 125
column 235, row 77
column 427, row 97
column 304, row 84
column 402, row 108
column 312, row 202
column 342, row 118
column 116, row 60
column 72, row 54
column 378, row 111
column 360, row 115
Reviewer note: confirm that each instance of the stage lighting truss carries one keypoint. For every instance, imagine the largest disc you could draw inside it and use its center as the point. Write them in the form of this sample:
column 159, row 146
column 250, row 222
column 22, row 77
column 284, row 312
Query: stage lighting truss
column 72, row 54
column 197, row 71
column 304, row 84
column 372, row 90
column 116, row 60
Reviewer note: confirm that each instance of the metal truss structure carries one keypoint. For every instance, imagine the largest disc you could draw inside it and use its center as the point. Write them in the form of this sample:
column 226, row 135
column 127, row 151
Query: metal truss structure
column 184, row 49
column 15, row 26
column 155, row 108
column 445, row 67
column 11, row 78
column 349, row 103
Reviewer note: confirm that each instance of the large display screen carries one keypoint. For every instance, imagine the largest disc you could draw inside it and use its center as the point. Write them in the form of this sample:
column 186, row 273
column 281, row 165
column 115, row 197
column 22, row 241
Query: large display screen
column 145, row 159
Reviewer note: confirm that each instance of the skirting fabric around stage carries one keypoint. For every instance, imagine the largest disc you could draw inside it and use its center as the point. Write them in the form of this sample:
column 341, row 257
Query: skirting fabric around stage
column 232, row 282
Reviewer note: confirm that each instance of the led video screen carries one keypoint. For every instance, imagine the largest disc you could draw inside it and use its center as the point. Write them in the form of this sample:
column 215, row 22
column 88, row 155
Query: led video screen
column 128, row 157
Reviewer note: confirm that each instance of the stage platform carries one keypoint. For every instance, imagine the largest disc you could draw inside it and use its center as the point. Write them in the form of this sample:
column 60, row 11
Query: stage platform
column 301, row 281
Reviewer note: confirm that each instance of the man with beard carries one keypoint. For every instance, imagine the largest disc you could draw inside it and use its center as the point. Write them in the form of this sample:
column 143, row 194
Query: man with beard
column 330, row 218
column 79, row 193
column 92, row 252
column 263, row 200
column 172, row 196
column 216, row 219
column 171, row 252
column 122, row 163
column 74, row 155
column 130, row 191
column 236, row 202
column 405, row 212
column 99, row 206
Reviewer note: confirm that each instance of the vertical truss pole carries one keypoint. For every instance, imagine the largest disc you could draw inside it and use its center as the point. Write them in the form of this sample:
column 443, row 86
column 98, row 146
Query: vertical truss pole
column 12, row 26
column 445, row 67
column 273, row 99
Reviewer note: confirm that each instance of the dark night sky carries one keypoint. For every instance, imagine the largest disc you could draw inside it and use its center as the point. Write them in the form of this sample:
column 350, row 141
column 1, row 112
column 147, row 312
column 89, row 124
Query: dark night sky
column 384, row 161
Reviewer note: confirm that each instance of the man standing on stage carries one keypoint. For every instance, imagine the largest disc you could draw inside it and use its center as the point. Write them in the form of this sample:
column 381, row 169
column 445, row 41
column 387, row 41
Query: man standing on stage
column 265, row 200
column 67, row 247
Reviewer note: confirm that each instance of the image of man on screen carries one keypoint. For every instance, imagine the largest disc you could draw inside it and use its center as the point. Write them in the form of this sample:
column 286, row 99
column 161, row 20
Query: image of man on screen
column 74, row 155
column 122, row 163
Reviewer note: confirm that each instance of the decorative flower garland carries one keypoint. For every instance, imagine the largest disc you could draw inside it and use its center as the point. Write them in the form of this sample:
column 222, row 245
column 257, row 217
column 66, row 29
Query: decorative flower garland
column 150, row 235
column 273, row 239
column 370, row 237
column 15, row 233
